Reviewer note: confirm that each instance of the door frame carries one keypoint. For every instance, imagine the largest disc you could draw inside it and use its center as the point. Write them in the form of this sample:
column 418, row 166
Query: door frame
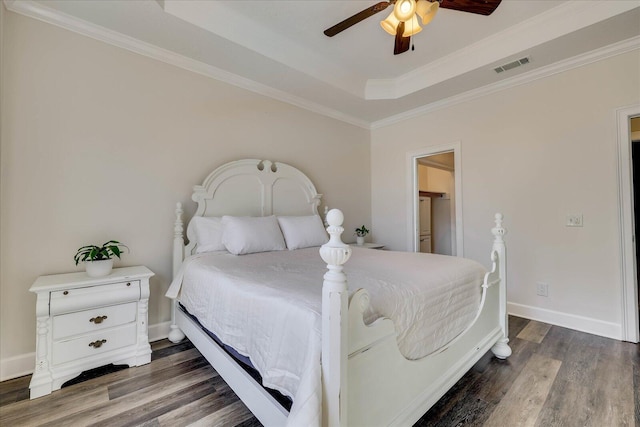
column 413, row 204
column 630, row 321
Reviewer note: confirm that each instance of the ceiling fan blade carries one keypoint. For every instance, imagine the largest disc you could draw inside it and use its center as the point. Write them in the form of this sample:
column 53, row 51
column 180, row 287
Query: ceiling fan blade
column 482, row 7
column 353, row 20
column 402, row 43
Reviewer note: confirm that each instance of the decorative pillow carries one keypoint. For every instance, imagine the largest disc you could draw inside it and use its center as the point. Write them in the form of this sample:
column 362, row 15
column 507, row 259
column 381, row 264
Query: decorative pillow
column 208, row 232
column 303, row 231
column 247, row 235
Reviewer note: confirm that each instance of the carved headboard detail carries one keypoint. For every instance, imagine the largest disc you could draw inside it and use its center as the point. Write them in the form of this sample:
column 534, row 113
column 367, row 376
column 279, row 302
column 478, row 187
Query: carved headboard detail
column 253, row 187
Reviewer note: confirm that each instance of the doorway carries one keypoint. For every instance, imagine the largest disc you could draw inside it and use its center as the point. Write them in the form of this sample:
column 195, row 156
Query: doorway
column 634, row 124
column 435, row 202
column 628, row 172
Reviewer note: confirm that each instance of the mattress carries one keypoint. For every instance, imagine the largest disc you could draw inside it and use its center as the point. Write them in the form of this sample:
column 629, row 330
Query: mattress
column 267, row 306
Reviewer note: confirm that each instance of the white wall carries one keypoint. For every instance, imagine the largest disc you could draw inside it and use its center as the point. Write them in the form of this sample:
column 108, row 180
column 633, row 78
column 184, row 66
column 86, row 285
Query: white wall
column 535, row 152
column 100, row 143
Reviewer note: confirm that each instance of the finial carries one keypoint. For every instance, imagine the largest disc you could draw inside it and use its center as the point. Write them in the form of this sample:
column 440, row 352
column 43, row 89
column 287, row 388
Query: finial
column 335, row 217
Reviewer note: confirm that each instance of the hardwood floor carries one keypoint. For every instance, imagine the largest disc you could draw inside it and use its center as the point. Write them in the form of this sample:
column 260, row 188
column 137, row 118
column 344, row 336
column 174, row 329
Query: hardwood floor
column 555, row 377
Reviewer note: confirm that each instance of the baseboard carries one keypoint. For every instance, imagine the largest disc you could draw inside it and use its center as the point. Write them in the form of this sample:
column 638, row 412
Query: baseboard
column 571, row 321
column 159, row 331
column 17, row 366
column 21, row 365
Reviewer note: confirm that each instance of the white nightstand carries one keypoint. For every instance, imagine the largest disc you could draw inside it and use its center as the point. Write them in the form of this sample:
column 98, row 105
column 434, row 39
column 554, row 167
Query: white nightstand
column 368, row 246
column 85, row 322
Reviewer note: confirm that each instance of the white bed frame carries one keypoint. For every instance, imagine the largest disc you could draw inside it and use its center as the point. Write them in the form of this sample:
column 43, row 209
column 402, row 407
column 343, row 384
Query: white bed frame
column 366, row 380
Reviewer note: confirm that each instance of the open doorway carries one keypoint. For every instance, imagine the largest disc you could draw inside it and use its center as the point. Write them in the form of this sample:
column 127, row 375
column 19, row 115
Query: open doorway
column 629, row 183
column 436, row 203
column 435, row 209
column 634, row 124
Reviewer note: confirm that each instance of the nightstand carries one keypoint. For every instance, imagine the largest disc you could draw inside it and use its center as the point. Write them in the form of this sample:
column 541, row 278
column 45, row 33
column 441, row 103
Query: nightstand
column 368, row 246
column 84, row 322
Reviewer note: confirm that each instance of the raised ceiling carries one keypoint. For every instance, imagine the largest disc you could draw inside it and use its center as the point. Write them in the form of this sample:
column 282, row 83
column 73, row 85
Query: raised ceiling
column 278, row 48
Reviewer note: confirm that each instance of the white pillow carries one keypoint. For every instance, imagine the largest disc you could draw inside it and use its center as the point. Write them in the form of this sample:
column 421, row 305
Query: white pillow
column 303, row 231
column 247, row 235
column 208, row 231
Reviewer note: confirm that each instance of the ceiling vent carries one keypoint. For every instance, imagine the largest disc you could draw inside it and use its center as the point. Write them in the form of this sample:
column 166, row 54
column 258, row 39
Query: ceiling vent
column 512, row 65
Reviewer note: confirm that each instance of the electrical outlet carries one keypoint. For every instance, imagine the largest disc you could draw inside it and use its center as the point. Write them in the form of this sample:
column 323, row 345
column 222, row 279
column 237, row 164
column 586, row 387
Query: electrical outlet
column 542, row 289
column 574, row 220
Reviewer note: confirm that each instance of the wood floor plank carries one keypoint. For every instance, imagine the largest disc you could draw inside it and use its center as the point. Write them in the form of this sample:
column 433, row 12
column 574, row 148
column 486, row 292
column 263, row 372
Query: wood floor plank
column 131, row 385
column 500, row 374
column 97, row 413
column 534, row 331
column 62, row 403
column 568, row 405
column 556, row 343
column 524, row 400
column 230, row 415
column 596, row 385
column 158, row 407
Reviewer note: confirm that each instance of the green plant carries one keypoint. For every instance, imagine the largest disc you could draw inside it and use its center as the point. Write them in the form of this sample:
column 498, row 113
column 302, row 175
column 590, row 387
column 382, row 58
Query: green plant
column 362, row 231
column 98, row 253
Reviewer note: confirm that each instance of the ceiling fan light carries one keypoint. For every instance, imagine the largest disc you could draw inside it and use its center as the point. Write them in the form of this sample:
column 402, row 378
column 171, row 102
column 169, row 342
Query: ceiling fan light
column 404, row 10
column 390, row 24
column 426, row 10
column 411, row 27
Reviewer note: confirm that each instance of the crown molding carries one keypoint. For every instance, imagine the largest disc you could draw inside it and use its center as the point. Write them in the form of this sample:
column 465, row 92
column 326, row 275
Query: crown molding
column 577, row 61
column 37, row 11
column 532, row 32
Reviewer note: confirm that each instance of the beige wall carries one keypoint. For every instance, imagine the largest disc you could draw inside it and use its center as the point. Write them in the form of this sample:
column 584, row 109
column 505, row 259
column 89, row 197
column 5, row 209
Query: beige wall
column 101, row 143
column 535, row 172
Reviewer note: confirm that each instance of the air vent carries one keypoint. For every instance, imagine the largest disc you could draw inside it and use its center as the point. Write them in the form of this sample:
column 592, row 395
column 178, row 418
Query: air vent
column 512, row 65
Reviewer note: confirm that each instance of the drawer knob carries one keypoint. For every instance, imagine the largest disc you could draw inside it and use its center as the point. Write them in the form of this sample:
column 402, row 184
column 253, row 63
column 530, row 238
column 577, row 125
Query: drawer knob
column 97, row 320
column 65, row 293
column 97, row 344
column 128, row 283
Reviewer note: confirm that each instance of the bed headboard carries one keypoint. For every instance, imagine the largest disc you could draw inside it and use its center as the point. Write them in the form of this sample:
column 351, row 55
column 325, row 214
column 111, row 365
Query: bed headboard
column 248, row 187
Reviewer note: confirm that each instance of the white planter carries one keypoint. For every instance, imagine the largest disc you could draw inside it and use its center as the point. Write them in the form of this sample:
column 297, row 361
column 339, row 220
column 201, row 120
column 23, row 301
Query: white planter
column 359, row 240
column 98, row 268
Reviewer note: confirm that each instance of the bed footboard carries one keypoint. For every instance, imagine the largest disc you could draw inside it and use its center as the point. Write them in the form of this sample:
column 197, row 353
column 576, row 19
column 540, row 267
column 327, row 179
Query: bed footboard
column 366, row 380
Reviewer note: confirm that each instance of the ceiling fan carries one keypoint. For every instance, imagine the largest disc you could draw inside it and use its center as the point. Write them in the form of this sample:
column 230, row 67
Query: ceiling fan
column 403, row 23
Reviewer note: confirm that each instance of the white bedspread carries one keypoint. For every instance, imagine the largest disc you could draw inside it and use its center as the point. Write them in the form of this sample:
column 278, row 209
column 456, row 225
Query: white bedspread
column 268, row 307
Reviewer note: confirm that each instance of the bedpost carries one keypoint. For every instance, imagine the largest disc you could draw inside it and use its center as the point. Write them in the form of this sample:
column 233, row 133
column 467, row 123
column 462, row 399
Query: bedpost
column 334, row 325
column 175, row 334
column 501, row 348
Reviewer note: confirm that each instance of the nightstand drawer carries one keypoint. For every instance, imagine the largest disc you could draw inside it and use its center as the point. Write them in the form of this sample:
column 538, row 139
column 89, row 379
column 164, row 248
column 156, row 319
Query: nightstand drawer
column 93, row 296
column 94, row 344
column 96, row 319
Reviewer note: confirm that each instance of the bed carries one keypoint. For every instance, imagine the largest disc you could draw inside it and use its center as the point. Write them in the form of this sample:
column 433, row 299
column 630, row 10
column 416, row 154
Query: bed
column 349, row 353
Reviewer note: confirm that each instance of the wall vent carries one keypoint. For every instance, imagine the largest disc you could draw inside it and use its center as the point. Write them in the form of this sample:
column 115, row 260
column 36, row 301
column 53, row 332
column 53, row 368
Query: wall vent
column 512, row 65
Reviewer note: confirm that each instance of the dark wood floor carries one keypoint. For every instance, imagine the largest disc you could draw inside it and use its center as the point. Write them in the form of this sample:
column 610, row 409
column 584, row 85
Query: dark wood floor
column 555, row 377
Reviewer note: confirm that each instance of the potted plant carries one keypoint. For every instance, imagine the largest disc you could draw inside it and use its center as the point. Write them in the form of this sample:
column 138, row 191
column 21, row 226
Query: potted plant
column 360, row 235
column 99, row 259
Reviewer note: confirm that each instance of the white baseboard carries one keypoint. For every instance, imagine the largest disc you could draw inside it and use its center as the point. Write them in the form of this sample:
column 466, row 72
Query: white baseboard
column 159, row 331
column 571, row 321
column 17, row 366
column 21, row 365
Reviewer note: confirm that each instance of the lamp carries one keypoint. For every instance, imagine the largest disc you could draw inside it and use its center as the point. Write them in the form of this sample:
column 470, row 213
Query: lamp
column 407, row 11
column 427, row 10
column 404, row 9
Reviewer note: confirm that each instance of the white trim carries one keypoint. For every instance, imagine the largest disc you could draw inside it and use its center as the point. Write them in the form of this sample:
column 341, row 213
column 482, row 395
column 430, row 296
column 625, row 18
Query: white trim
column 629, row 303
column 17, row 366
column 566, row 320
column 533, row 75
column 38, row 11
column 412, row 193
column 159, row 331
column 23, row 364
column 43, row 13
